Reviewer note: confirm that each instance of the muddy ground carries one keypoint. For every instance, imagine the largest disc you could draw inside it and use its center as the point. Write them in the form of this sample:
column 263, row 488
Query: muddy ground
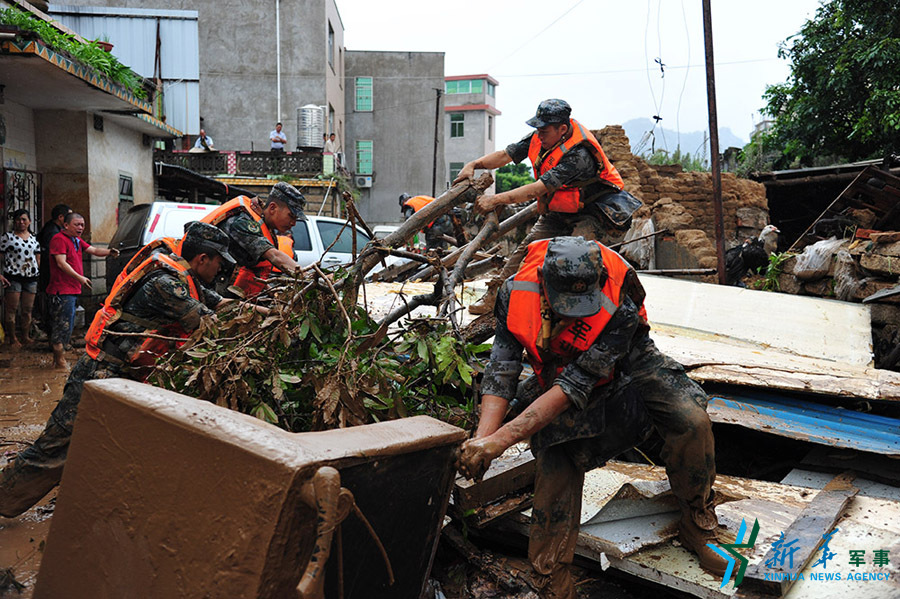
column 29, row 390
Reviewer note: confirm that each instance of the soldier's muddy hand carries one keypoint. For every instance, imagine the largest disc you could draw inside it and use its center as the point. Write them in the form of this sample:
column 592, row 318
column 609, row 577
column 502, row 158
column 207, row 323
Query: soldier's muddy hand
column 467, row 172
column 485, row 204
column 476, row 456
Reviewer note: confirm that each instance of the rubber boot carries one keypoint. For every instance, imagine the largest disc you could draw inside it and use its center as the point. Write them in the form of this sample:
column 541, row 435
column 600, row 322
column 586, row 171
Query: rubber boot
column 485, row 305
column 697, row 528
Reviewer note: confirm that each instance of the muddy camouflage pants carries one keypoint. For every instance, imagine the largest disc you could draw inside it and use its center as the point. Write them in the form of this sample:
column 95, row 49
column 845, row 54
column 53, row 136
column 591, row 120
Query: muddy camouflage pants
column 677, row 407
column 35, row 471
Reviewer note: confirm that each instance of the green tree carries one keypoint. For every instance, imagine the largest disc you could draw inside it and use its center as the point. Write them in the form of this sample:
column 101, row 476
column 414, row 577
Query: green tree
column 512, row 176
column 688, row 161
column 842, row 98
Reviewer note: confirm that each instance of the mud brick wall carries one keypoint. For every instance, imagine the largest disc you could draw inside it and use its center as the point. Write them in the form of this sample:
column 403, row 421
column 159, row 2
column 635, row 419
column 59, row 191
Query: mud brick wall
column 682, row 202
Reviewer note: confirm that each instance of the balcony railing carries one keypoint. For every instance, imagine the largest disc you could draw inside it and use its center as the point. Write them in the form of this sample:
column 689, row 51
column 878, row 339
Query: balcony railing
column 250, row 164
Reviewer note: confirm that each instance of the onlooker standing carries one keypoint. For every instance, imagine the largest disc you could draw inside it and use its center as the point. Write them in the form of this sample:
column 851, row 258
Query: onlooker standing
column 278, row 139
column 21, row 253
column 66, row 279
column 47, row 232
column 331, row 145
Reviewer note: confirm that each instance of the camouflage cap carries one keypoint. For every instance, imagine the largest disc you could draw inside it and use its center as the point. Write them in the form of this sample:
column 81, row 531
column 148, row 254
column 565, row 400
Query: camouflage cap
column 291, row 196
column 210, row 238
column 553, row 111
column 573, row 275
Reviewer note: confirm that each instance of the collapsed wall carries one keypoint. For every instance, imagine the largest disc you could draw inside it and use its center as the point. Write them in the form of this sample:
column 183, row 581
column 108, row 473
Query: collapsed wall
column 682, row 201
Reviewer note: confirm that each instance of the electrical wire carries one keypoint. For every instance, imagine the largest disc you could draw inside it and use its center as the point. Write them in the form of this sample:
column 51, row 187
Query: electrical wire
column 535, row 36
column 687, row 37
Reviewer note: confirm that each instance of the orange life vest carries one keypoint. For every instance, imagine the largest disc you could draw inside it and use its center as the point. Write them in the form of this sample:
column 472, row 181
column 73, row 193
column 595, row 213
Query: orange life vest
column 524, row 317
column 166, row 245
column 568, row 198
column 285, row 246
column 419, row 202
column 250, row 279
column 150, row 349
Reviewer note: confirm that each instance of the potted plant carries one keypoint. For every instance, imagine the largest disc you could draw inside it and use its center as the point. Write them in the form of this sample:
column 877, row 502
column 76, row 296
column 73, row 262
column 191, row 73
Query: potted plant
column 104, row 43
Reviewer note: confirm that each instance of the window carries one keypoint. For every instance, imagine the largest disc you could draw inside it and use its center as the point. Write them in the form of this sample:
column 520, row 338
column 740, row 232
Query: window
column 331, row 120
column 455, row 167
column 330, row 45
column 302, row 242
column 364, row 157
column 467, row 86
column 490, row 127
column 450, row 87
column 492, row 89
column 364, row 94
column 477, row 86
column 329, row 231
column 457, row 120
column 126, row 188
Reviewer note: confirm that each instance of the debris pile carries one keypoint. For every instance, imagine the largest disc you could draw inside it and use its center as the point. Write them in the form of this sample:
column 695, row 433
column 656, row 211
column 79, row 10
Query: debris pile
column 682, row 203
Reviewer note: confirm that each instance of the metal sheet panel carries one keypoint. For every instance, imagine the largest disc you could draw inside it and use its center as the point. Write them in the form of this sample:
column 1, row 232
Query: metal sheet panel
column 181, row 105
column 815, row 423
column 803, row 326
column 133, row 35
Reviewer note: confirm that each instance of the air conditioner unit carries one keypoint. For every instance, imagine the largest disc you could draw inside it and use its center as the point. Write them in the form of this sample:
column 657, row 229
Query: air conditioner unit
column 364, row 181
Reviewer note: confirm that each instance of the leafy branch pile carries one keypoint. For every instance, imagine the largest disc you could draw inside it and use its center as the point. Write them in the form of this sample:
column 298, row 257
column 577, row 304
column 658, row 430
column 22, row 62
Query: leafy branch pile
column 310, row 364
column 317, row 360
column 89, row 53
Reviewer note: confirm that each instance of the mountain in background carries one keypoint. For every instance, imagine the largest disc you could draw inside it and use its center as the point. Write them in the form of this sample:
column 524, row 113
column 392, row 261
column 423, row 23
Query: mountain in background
column 667, row 139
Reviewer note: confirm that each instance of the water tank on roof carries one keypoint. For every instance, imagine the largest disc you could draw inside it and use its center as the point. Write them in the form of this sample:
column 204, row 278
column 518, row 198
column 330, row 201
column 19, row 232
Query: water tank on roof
column 310, row 126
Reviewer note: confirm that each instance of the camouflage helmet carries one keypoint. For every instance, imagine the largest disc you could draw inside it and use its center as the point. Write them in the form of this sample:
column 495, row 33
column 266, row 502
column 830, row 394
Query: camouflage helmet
column 573, row 275
column 207, row 238
column 549, row 112
column 291, row 196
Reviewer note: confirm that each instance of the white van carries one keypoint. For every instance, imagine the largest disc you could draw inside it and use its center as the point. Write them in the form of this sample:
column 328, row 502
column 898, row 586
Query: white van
column 145, row 222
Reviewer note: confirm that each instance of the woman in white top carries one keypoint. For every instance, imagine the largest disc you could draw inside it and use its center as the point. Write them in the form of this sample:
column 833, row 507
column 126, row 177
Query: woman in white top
column 19, row 260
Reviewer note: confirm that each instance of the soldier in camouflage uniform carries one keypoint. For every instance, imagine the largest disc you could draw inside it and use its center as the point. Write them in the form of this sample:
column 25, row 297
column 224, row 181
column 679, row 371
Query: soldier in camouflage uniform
column 157, row 300
column 252, row 229
column 576, row 308
column 579, row 191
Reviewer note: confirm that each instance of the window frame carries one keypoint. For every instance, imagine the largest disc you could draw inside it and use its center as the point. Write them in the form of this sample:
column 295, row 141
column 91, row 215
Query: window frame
column 457, row 125
column 368, row 84
column 360, row 151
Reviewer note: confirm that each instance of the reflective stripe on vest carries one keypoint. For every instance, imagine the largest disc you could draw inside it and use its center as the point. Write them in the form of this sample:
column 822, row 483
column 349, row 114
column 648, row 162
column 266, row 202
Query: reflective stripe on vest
column 246, row 278
column 524, row 316
column 568, row 198
column 111, row 310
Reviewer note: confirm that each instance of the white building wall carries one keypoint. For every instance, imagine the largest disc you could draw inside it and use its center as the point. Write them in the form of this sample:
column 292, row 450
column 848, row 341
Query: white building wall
column 111, row 152
column 18, row 151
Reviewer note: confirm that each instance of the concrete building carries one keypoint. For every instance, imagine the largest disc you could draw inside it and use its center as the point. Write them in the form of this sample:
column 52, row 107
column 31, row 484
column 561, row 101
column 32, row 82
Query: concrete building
column 391, row 148
column 470, row 124
column 258, row 64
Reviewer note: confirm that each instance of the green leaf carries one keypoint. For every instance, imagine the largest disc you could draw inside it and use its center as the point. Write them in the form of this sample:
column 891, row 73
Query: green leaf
column 465, row 373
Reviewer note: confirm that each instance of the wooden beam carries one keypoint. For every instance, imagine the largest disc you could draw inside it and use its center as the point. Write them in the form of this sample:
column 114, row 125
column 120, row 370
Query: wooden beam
column 807, row 530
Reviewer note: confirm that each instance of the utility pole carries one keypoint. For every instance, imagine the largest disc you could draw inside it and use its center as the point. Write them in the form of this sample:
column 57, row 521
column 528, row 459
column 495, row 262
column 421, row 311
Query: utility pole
column 714, row 142
column 437, row 122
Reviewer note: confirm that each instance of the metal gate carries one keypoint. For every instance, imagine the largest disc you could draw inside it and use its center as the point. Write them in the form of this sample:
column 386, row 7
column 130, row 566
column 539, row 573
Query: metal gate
column 21, row 189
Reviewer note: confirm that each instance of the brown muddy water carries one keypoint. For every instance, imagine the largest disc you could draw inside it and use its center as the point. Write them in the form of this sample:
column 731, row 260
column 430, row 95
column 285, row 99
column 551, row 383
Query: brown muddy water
column 29, row 390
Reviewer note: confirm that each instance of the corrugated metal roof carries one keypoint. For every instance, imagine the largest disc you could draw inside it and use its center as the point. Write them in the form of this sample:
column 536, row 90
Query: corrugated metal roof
column 132, row 31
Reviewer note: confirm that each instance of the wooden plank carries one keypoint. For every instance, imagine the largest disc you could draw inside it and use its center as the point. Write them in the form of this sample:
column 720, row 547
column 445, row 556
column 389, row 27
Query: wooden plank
column 511, row 472
column 807, row 530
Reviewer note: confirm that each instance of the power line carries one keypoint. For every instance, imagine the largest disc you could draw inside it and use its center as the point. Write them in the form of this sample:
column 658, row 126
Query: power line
column 532, row 38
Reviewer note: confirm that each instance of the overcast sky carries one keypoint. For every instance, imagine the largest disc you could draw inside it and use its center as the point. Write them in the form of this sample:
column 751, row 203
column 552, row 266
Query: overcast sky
column 598, row 55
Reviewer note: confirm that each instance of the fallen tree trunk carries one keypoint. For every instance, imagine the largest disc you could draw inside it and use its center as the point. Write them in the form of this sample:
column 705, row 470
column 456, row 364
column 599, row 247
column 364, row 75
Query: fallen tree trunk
column 520, row 218
column 461, row 193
